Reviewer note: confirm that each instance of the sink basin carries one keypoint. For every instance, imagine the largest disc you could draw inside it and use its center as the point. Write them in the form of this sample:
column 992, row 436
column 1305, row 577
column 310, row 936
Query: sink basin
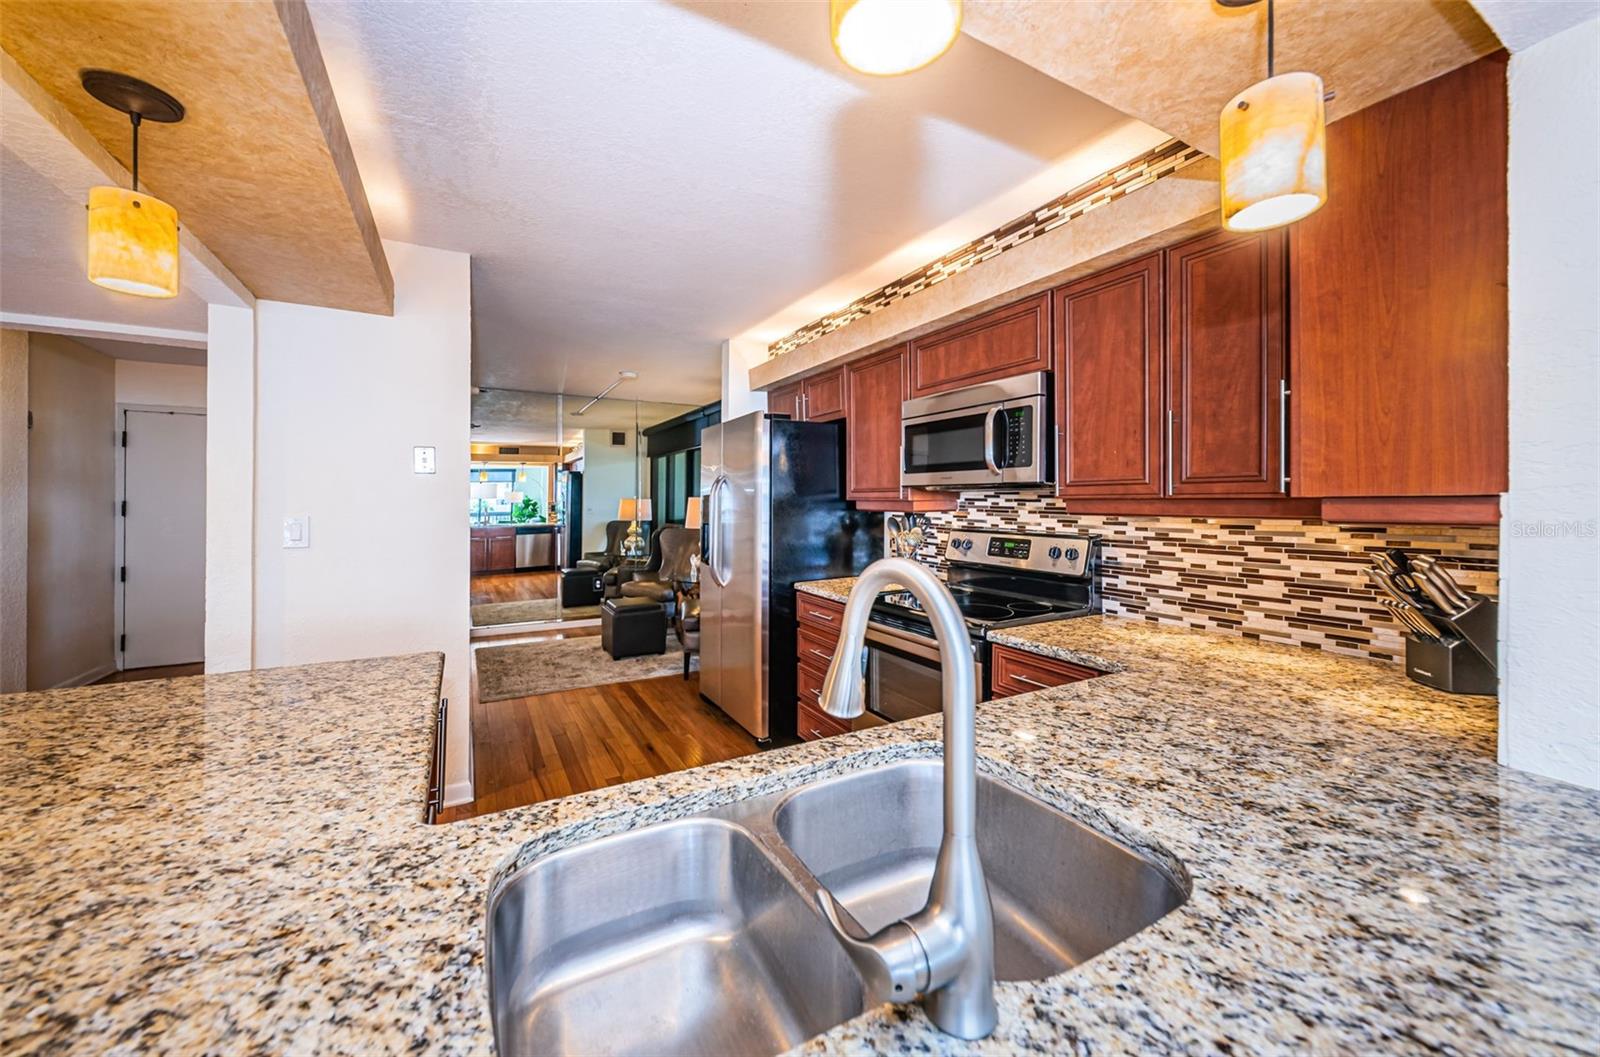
column 1062, row 893
column 680, row 938
column 700, row 936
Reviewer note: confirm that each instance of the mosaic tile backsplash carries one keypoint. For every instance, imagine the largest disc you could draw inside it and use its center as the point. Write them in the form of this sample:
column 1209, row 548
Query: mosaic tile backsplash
column 1295, row 582
column 1147, row 168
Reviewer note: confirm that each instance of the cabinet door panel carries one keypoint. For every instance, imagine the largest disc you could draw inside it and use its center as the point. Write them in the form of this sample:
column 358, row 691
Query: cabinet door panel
column 823, row 396
column 1108, row 382
column 874, row 389
column 1225, row 340
column 998, row 344
column 1399, row 298
column 502, row 552
column 785, row 400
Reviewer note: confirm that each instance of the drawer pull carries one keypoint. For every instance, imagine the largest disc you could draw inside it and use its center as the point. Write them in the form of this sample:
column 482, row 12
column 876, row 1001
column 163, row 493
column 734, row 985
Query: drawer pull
column 1034, row 682
column 820, row 615
column 818, row 653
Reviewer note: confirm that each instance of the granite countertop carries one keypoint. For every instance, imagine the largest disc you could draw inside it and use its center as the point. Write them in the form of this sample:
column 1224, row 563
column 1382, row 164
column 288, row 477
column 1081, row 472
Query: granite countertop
column 239, row 862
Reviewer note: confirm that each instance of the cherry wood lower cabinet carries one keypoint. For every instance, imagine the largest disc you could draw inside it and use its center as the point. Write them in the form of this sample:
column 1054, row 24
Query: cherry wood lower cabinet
column 493, row 549
column 1398, row 352
column 1108, row 382
column 1013, row 671
column 1000, row 343
column 819, row 622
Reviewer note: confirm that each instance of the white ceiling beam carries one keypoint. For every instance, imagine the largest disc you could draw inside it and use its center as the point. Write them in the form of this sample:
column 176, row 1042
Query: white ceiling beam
column 94, row 328
column 54, row 144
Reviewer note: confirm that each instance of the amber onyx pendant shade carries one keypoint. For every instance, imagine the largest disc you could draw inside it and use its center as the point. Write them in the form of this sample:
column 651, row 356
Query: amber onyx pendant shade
column 888, row 37
column 1274, row 142
column 133, row 243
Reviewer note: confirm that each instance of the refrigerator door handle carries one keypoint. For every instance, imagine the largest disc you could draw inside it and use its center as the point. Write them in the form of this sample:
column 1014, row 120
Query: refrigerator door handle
column 714, row 540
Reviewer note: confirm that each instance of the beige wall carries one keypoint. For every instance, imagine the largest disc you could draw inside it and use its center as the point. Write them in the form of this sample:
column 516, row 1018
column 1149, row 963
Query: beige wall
column 71, row 488
column 13, row 511
column 160, row 384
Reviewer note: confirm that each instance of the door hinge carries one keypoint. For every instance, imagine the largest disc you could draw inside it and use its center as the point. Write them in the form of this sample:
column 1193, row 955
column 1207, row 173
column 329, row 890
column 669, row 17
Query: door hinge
column 122, row 643
column 122, row 573
column 124, row 438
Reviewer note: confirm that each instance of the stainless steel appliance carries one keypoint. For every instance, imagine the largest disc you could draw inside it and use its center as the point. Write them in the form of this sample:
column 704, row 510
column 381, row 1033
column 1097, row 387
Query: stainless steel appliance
column 997, row 433
column 536, row 547
column 999, row 580
column 775, row 514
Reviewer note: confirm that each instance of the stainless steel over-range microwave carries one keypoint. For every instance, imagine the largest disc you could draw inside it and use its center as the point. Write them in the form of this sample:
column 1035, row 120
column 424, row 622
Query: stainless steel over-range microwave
column 997, row 433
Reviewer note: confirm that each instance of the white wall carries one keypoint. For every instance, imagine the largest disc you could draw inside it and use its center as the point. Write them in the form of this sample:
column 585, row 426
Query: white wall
column 1549, row 551
column 71, row 517
column 13, row 511
column 609, row 474
column 341, row 399
column 160, row 384
column 738, row 356
column 230, row 400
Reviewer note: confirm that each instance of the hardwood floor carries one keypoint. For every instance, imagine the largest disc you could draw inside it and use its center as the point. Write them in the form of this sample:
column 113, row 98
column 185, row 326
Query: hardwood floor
column 514, row 587
column 537, row 748
column 135, row 675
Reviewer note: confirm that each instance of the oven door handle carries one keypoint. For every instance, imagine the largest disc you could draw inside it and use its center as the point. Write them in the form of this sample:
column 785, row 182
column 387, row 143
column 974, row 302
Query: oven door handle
column 918, row 646
column 988, row 438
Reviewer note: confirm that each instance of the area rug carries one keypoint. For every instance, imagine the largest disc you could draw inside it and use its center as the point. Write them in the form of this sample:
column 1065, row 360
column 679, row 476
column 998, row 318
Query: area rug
column 547, row 667
column 491, row 613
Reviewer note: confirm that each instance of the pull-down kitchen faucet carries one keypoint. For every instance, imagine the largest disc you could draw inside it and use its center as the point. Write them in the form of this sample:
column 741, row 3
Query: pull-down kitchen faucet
column 945, row 951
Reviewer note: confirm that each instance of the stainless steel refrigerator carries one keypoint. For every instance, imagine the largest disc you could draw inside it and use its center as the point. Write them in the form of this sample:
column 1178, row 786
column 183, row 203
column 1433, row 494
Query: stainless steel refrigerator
column 775, row 515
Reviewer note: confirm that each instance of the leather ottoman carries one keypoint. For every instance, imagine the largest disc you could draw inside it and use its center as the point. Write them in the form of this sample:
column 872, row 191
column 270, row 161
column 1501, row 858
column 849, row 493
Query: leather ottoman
column 580, row 586
column 632, row 627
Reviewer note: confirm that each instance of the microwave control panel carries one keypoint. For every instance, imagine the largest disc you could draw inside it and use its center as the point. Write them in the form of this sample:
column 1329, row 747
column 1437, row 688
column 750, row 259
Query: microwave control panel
column 1063, row 555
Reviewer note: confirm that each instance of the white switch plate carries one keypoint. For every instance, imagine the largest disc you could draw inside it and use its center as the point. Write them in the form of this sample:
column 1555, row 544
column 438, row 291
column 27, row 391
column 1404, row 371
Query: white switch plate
column 422, row 461
column 297, row 530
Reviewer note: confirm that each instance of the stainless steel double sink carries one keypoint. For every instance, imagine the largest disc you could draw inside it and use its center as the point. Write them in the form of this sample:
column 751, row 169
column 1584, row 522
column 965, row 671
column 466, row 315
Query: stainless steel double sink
column 700, row 936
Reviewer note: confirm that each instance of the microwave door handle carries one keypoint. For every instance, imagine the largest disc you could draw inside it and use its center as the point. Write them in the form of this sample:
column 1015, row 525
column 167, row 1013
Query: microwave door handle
column 988, row 439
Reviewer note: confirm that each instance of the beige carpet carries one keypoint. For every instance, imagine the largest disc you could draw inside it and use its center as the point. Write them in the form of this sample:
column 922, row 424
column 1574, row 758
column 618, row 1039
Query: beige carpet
column 546, row 667
column 492, row 613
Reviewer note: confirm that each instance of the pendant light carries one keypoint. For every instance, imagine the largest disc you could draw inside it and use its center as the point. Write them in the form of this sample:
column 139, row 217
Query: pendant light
column 1274, row 146
column 133, row 236
column 887, row 37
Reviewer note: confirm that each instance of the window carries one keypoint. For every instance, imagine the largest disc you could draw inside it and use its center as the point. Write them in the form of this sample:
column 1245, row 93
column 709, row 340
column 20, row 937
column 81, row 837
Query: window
column 673, row 479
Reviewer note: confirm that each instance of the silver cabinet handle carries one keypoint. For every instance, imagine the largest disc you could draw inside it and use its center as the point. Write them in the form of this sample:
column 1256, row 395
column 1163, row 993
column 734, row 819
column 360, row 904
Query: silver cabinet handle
column 1283, row 435
column 818, row 653
column 1034, row 682
column 1171, row 449
column 820, row 615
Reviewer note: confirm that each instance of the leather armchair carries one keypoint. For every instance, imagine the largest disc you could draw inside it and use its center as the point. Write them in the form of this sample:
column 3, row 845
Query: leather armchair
column 599, row 561
column 687, row 624
column 672, row 551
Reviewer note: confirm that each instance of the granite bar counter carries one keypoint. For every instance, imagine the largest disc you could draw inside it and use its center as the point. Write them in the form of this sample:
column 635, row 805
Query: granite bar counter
column 240, row 863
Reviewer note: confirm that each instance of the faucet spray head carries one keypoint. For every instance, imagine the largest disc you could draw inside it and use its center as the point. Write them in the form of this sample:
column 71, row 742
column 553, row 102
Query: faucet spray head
column 844, row 691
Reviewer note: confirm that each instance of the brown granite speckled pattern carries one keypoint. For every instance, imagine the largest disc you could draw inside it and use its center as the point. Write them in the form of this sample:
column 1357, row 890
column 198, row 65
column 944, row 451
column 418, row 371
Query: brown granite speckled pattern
column 238, row 863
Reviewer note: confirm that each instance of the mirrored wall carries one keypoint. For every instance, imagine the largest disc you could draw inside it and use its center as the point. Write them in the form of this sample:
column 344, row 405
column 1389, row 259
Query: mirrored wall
column 566, row 489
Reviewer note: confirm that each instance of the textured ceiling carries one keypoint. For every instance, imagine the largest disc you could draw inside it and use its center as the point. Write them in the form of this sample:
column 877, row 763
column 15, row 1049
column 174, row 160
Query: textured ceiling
column 506, row 416
column 1176, row 63
column 636, row 182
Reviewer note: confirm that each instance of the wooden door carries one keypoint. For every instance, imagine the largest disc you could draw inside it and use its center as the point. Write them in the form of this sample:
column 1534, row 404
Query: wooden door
column 822, row 396
column 785, row 400
column 480, row 552
column 999, row 343
column 1108, row 382
column 874, row 389
column 1398, row 338
column 1225, row 365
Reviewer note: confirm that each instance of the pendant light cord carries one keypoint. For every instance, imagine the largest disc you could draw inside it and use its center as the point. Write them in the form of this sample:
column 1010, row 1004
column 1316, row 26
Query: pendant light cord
column 134, row 117
column 1269, row 40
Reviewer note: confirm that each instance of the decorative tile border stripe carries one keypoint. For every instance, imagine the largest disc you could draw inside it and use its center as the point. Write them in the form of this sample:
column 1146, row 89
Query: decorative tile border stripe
column 1292, row 582
column 1147, row 168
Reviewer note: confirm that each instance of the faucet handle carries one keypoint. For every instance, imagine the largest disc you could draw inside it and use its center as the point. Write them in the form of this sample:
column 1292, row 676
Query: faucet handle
column 891, row 960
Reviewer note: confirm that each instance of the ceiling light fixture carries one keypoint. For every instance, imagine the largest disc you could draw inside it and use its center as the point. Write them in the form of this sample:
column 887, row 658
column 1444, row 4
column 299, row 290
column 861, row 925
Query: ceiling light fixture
column 888, row 37
column 133, row 237
column 1274, row 146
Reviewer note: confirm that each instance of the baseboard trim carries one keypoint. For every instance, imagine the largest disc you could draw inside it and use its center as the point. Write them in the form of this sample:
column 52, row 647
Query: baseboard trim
column 85, row 678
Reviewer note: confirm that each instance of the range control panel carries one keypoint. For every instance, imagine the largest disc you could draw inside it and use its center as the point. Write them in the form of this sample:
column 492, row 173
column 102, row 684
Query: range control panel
column 1062, row 555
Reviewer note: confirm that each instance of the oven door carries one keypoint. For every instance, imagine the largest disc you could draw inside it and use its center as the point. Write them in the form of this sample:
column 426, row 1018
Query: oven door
column 1001, row 443
column 904, row 676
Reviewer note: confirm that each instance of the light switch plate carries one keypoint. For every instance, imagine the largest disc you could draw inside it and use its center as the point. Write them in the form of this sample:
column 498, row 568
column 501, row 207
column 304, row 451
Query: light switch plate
column 297, row 530
column 422, row 461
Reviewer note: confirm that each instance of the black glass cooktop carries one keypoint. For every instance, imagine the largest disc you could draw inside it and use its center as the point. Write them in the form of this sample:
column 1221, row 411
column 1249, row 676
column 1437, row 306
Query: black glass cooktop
column 984, row 608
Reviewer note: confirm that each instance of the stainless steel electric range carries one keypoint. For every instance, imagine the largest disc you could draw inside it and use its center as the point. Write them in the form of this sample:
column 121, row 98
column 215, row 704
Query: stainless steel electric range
column 999, row 580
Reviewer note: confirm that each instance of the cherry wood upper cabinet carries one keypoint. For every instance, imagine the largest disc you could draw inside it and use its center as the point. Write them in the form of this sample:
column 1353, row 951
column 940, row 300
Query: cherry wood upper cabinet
column 1398, row 351
column 822, row 396
column 1225, row 365
column 999, row 343
column 1108, row 382
column 785, row 400
column 874, row 388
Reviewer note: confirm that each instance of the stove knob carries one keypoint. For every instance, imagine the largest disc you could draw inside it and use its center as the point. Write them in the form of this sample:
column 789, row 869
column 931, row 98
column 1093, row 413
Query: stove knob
column 1055, row 554
column 1072, row 554
column 966, row 545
